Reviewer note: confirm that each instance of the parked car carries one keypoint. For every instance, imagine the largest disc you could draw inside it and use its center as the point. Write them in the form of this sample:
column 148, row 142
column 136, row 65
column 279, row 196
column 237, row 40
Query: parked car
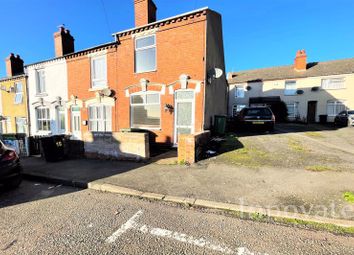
column 344, row 118
column 261, row 117
column 10, row 167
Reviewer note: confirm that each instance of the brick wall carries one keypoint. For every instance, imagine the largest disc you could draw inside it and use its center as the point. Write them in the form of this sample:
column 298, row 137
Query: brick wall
column 117, row 145
column 190, row 147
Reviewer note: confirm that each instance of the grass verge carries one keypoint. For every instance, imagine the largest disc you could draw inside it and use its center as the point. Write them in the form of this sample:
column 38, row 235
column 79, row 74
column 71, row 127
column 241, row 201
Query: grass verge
column 258, row 217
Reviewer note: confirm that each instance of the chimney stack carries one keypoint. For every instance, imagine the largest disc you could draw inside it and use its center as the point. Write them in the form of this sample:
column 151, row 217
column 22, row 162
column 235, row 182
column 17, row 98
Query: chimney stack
column 14, row 65
column 300, row 61
column 63, row 42
column 145, row 12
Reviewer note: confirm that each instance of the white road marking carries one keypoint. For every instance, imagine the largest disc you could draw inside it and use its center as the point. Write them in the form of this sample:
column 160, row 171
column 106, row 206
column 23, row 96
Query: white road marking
column 131, row 223
column 159, row 232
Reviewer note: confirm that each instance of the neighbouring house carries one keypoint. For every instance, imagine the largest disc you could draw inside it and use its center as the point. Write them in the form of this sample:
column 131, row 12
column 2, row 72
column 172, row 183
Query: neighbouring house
column 13, row 93
column 310, row 90
column 161, row 77
column 48, row 89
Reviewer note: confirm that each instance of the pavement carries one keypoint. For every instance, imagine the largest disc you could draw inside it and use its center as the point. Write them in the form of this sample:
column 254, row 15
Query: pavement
column 41, row 218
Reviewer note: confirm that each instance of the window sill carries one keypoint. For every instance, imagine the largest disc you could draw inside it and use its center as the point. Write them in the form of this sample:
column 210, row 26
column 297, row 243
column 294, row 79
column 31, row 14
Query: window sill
column 98, row 88
column 152, row 71
column 146, row 128
column 42, row 95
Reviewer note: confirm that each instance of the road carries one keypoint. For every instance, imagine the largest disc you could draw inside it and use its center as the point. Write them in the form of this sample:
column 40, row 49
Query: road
column 40, row 218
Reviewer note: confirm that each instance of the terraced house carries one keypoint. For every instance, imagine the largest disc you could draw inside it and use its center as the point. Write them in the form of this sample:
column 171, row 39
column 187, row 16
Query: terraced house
column 162, row 77
column 48, row 90
column 13, row 98
column 311, row 91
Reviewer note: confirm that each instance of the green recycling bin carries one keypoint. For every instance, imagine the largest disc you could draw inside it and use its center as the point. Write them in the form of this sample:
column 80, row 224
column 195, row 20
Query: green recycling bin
column 220, row 124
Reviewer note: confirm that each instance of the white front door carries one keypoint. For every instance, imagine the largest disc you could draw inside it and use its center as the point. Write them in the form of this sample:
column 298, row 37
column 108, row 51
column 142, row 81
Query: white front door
column 184, row 113
column 76, row 122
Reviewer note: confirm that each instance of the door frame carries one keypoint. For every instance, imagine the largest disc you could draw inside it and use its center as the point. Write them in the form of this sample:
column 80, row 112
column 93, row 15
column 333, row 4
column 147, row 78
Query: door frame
column 176, row 112
column 308, row 112
column 75, row 135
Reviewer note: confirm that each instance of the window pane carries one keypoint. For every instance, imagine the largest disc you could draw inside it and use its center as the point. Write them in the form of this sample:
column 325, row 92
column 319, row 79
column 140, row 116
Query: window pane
column 18, row 87
column 137, row 99
column 240, row 92
column 146, row 116
column 290, row 88
column 184, row 114
column 145, row 42
column 145, row 60
column 152, row 98
column 180, row 95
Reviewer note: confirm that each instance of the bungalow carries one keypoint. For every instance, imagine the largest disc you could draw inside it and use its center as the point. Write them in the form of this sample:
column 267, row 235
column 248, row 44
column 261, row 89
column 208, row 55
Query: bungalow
column 310, row 90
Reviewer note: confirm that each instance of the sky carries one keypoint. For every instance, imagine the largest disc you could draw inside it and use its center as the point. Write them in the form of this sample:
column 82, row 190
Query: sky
column 257, row 33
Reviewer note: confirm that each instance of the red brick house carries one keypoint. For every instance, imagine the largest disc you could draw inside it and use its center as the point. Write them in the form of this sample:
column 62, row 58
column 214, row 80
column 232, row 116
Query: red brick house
column 158, row 76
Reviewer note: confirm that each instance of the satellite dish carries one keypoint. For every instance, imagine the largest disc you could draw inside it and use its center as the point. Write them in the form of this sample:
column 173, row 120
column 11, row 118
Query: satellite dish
column 215, row 73
column 107, row 92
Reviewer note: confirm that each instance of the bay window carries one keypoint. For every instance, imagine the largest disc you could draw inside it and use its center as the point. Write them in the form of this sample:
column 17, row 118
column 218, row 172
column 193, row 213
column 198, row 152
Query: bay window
column 145, row 110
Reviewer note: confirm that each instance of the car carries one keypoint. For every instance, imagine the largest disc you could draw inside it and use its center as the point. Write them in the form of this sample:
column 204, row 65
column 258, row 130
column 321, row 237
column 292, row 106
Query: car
column 10, row 167
column 259, row 117
column 344, row 118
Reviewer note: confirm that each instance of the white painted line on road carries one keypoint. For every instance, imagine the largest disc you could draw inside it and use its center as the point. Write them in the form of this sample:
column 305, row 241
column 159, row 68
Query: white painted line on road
column 159, row 232
column 131, row 223
column 201, row 242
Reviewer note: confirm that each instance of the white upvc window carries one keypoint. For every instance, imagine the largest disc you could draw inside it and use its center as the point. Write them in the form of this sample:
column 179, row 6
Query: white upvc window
column 100, row 118
column 333, row 83
column 18, row 93
column 61, row 119
column 40, row 86
column 290, row 88
column 145, row 54
column 43, row 119
column 293, row 109
column 21, row 125
column 145, row 110
column 335, row 107
column 99, row 72
column 240, row 92
column 5, row 125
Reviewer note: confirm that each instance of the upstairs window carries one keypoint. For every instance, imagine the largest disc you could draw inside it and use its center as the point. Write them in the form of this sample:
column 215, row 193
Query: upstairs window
column 43, row 119
column 98, row 72
column 19, row 93
column 290, row 88
column 100, row 118
column 240, row 92
column 335, row 107
column 145, row 110
column 41, row 81
column 145, row 54
column 333, row 83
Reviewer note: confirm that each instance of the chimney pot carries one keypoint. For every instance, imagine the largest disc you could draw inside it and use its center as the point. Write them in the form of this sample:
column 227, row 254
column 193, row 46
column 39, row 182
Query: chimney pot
column 300, row 63
column 145, row 12
column 63, row 42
